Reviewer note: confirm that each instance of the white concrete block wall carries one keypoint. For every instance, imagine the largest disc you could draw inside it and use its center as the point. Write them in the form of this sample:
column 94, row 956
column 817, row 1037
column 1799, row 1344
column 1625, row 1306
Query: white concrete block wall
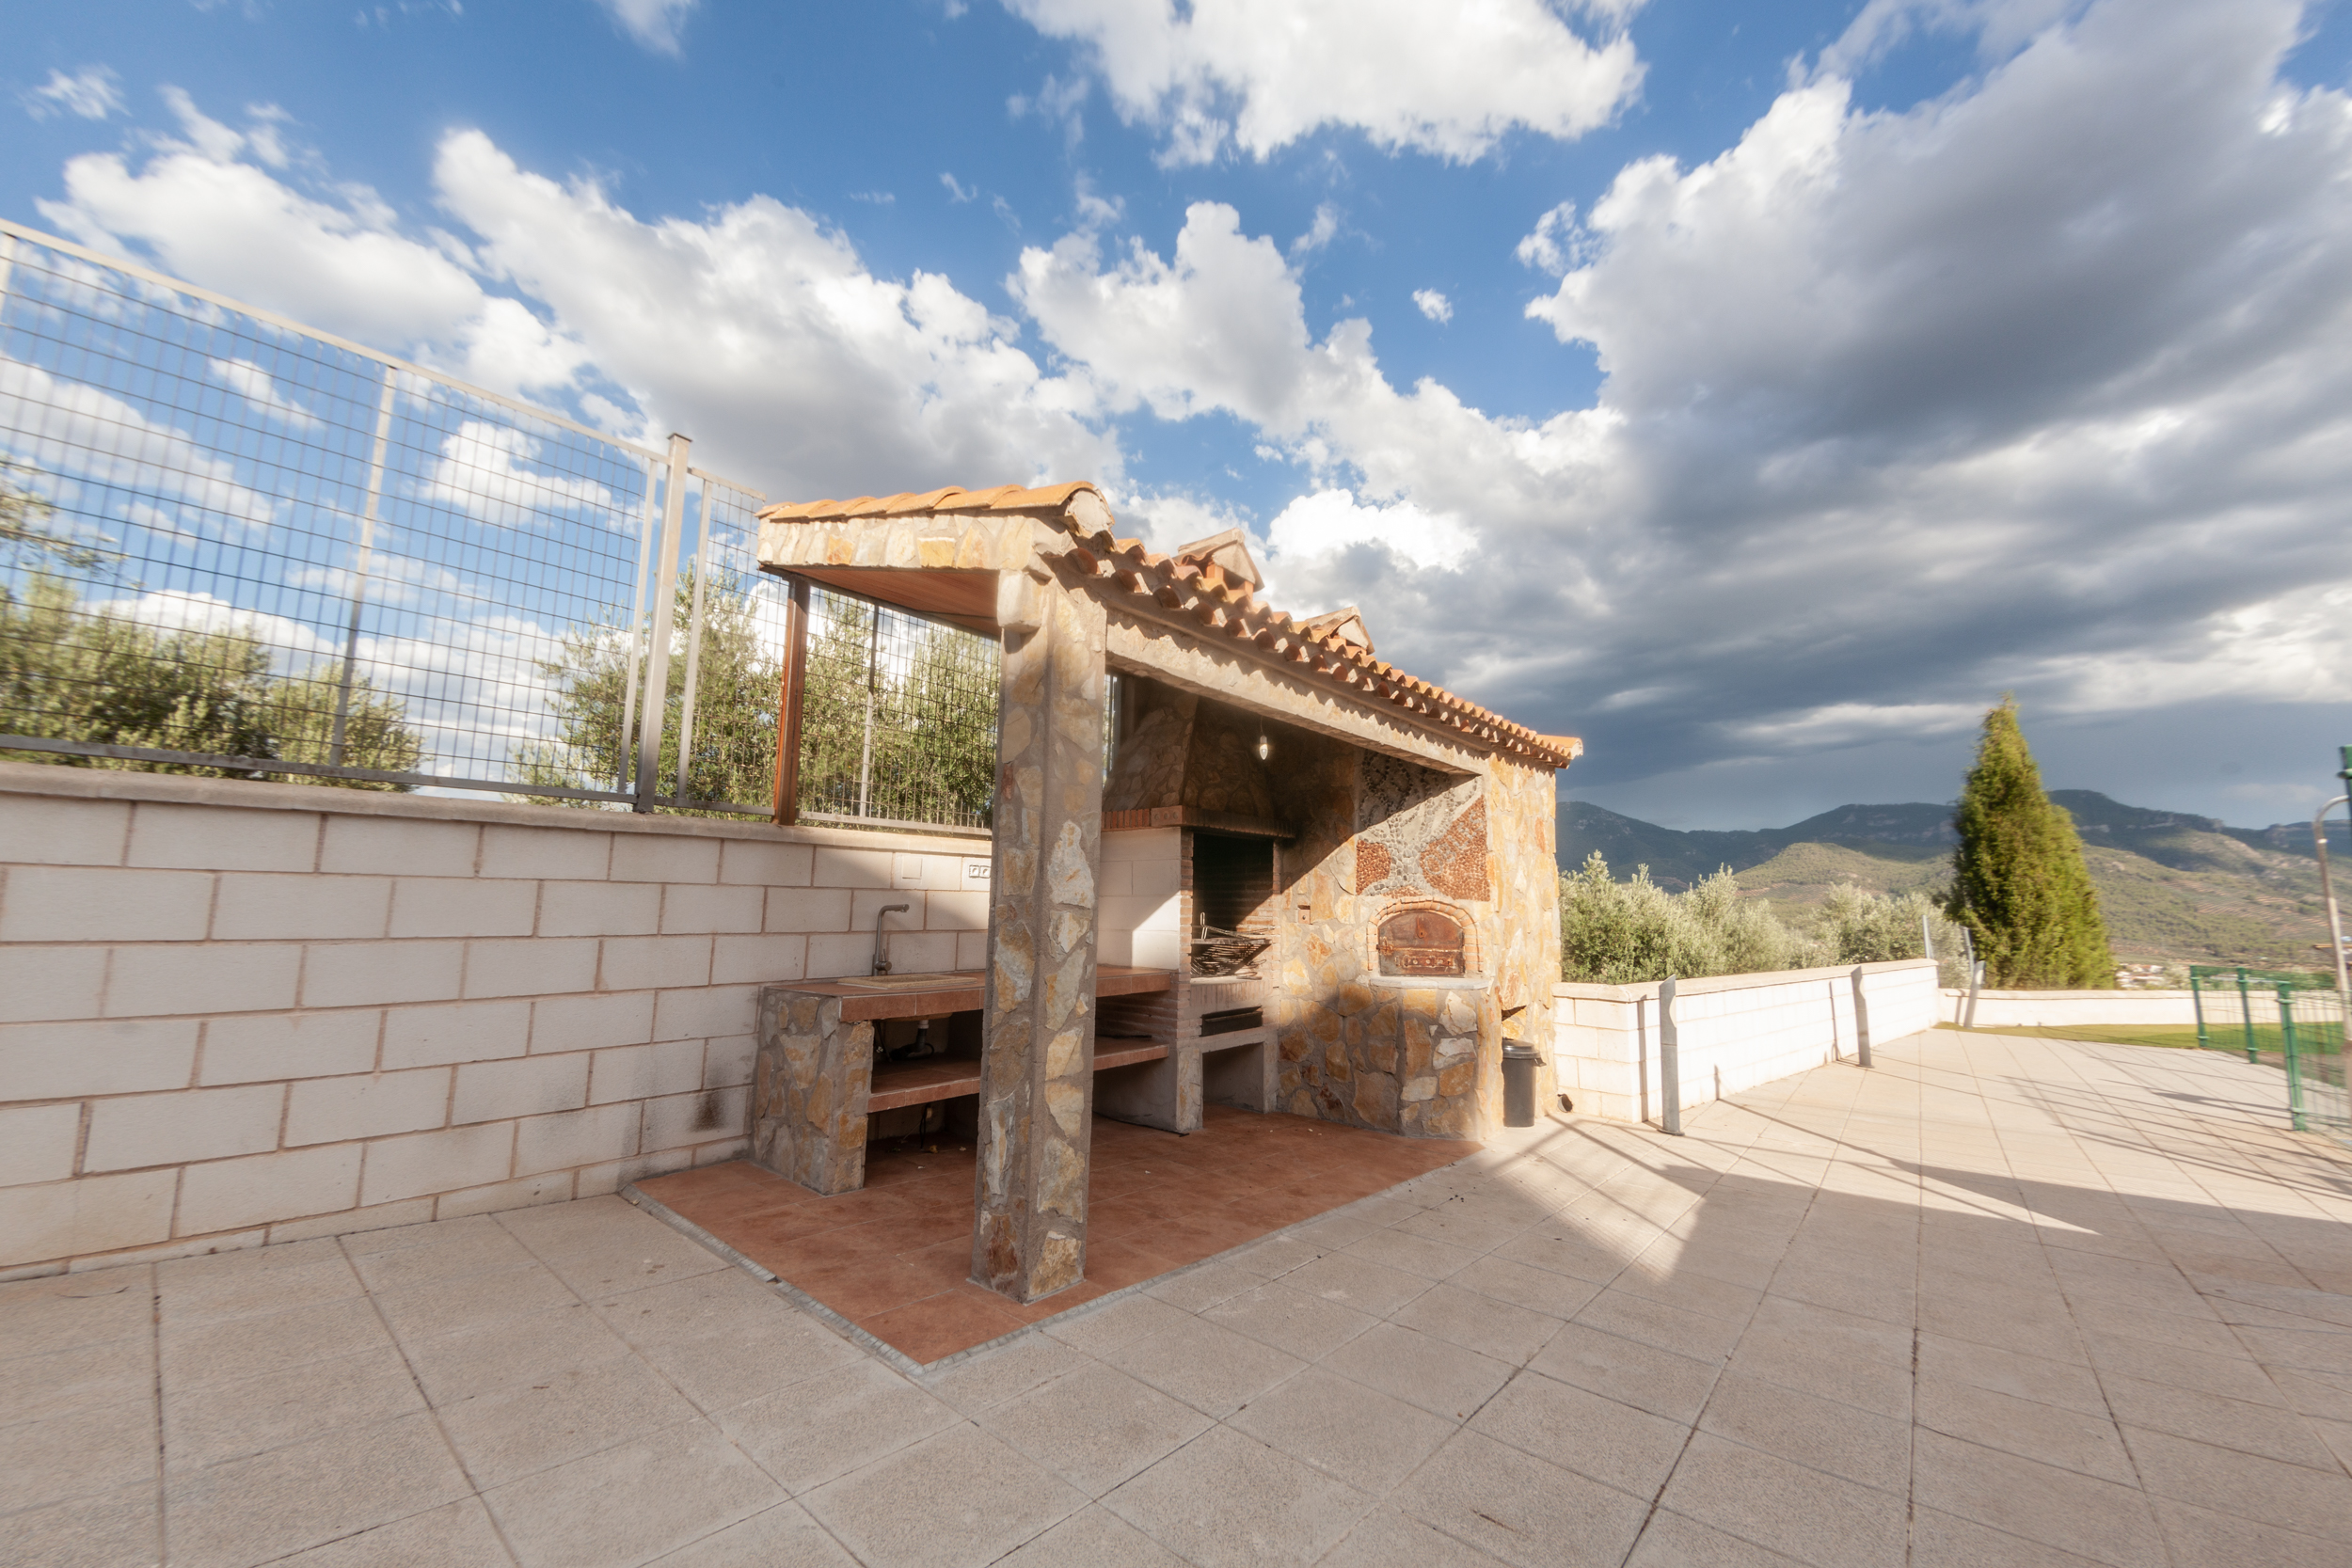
column 2056, row 1009
column 1142, row 918
column 237, row 1012
column 1734, row 1032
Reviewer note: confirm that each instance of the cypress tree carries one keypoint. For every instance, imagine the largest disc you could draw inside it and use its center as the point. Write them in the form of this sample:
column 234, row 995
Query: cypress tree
column 2019, row 880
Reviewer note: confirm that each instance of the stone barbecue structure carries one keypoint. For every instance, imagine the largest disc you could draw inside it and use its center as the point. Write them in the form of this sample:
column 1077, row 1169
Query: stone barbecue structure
column 1238, row 858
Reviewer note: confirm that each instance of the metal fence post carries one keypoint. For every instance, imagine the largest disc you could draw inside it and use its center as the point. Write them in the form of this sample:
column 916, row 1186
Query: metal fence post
column 2197, row 1003
column 873, row 681
column 1976, row 975
column 693, row 649
column 1669, row 1061
column 1861, row 1020
column 633, row 688
column 2245, row 1011
column 2335, row 917
column 359, row 563
column 2295, row 1065
column 657, row 708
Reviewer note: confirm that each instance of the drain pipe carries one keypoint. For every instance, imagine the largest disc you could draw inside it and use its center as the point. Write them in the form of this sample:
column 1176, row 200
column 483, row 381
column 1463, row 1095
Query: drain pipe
column 882, row 959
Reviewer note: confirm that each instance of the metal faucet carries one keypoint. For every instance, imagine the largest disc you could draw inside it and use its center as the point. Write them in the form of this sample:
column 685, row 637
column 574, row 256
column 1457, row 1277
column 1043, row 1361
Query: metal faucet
column 882, row 959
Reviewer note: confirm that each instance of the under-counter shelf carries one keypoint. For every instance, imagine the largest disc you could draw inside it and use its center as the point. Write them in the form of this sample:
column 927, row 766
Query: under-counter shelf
column 922, row 1082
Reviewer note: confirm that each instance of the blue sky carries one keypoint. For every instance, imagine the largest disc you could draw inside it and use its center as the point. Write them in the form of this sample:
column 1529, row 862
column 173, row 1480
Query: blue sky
column 1870, row 361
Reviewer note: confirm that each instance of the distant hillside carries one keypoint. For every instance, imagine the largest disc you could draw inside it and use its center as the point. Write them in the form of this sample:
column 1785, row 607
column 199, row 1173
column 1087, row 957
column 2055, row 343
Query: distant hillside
column 2174, row 888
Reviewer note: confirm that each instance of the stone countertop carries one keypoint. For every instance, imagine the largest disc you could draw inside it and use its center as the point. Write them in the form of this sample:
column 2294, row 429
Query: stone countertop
column 961, row 991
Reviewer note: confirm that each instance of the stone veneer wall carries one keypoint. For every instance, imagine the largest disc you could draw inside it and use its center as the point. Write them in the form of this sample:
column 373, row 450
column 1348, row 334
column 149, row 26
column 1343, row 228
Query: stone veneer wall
column 1735, row 1031
column 236, row 1012
column 1379, row 1052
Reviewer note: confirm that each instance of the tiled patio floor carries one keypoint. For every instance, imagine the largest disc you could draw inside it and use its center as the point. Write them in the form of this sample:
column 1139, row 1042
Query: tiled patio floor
column 894, row 1257
column 1999, row 1301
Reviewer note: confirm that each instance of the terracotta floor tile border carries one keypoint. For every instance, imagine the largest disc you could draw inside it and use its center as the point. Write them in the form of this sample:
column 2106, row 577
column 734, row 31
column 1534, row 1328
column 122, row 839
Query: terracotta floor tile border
column 1048, row 1311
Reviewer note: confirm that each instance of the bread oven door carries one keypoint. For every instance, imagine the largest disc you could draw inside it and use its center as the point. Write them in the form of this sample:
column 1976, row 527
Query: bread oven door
column 1420, row 943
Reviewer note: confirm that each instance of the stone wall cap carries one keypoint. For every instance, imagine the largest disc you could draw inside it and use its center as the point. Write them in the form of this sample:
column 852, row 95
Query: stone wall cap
column 1647, row 990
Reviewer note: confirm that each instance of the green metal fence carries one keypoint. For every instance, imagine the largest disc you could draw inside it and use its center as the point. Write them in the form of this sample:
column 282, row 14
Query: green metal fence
column 2291, row 1020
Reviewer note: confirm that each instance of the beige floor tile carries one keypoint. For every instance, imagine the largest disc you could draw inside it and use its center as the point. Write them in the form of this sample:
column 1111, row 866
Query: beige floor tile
column 1507, row 1333
column 1094, row 1537
column 2233, row 1377
column 960, row 1496
column 1352, row 1433
column 1672, row 1328
column 466, row 1302
column 1567, row 1250
column 2202, row 1536
column 76, row 1454
column 1357, row 1282
column 834, row 1423
column 1801, row 1512
column 1095, row 1427
column 783, row 1536
column 529, row 1347
column 2058, row 1508
column 629, row 1505
column 1821, row 1434
column 1940, row 1540
column 458, row 1532
column 104, row 1529
column 416, row 1255
column 1120, row 1322
column 607, row 1251
column 217, row 1422
column 2223, row 1481
column 1006, row 1371
column 229, row 1350
column 517, row 1429
column 1414, row 1255
column 1197, row 1289
column 1443, row 1378
column 1580, row 1431
column 58, row 1382
column 1673, row 1541
column 1291, row 1321
column 1823, row 1367
column 1498, row 1279
column 2071, row 1439
column 2061, row 1383
column 253, row 1281
column 1213, row 1368
column 1386, row 1539
column 1271, row 1508
column 63, row 1311
column 1518, row 1509
column 337, row 1483
column 1629, row 1372
column 2264, row 1429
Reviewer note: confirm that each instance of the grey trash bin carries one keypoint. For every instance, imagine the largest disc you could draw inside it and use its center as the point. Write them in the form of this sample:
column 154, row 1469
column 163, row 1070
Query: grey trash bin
column 1520, row 1062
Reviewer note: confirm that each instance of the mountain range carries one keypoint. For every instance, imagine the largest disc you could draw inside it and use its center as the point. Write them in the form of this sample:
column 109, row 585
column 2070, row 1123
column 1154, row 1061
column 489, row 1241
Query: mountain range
column 2174, row 887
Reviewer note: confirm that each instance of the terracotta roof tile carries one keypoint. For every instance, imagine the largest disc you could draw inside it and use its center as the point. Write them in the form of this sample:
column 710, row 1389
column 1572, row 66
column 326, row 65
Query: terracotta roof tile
column 1226, row 600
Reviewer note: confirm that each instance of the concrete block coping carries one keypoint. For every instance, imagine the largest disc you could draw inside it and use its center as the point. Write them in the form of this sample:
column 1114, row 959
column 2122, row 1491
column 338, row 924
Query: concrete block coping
column 94, row 784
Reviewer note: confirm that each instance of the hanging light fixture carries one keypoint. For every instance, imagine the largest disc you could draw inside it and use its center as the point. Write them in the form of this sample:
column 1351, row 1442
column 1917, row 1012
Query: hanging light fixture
column 1265, row 747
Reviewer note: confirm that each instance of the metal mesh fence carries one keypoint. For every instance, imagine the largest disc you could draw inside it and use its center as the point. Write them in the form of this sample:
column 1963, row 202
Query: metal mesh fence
column 231, row 544
column 2290, row 1019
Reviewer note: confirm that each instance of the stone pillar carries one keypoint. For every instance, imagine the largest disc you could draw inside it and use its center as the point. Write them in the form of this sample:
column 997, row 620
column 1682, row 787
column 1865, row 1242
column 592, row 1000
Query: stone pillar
column 809, row 1089
column 1028, row 1236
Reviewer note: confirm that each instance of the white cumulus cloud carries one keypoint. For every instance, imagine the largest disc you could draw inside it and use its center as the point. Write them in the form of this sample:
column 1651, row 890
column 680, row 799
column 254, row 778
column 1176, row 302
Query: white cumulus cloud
column 1260, row 74
column 1434, row 305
